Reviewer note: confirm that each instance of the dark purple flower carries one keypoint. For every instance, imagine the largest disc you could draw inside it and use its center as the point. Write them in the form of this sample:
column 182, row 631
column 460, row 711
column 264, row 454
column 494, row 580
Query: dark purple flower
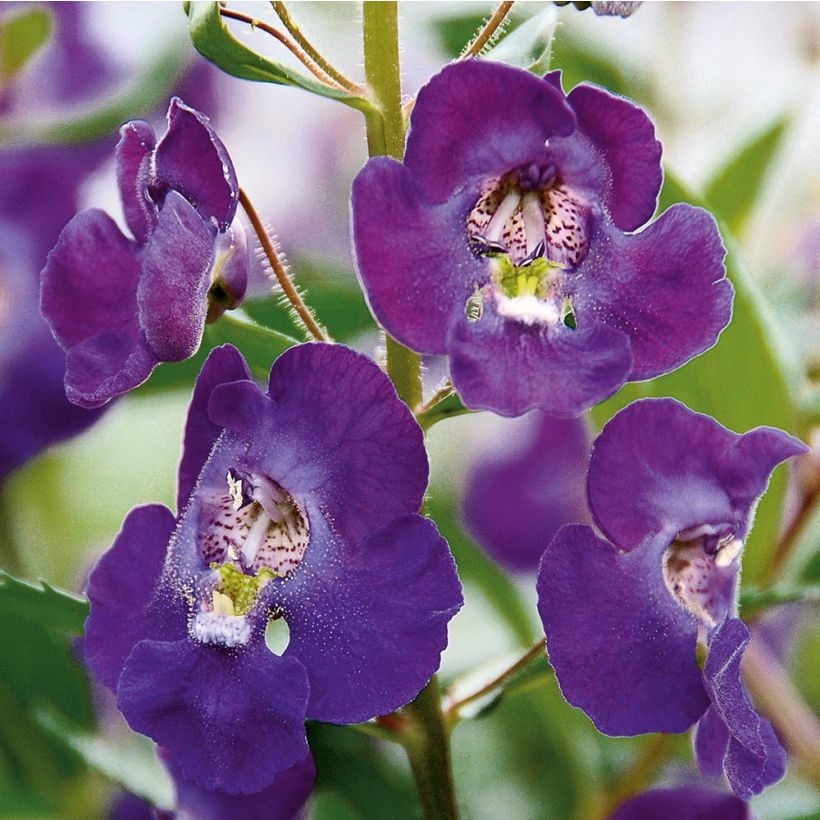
column 298, row 504
column 517, row 500
column 683, row 803
column 502, row 240
column 674, row 493
column 120, row 306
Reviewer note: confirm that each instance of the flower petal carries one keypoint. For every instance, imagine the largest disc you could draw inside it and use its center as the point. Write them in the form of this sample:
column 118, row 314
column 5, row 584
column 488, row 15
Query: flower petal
column 622, row 649
column 281, row 800
column 134, row 154
column 230, row 719
column 224, row 364
column 754, row 757
column 624, row 136
column 174, row 285
column 369, row 622
column 477, row 120
column 191, row 159
column 414, row 260
column 510, row 367
column 108, row 365
column 683, row 803
column 89, row 282
column 711, row 740
column 121, row 590
column 516, row 502
column 654, row 472
column 665, row 287
column 358, row 455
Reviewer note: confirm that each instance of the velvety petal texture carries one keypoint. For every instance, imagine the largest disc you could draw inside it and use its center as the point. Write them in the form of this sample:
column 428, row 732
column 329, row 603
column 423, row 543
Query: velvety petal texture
column 674, row 491
column 500, row 240
column 300, row 504
column 118, row 306
column 683, row 803
column 522, row 491
column 622, row 648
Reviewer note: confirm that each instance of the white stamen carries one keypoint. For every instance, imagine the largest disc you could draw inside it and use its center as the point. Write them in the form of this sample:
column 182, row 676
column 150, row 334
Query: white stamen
column 255, row 537
column 534, row 225
column 727, row 553
column 235, row 491
column 504, row 212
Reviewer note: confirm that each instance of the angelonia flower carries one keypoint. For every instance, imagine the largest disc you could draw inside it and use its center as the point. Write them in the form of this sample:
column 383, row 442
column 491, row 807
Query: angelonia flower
column 299, row 506
column 119, row 306
column 505, row 240
column 683, row 803
column 673, row 493
column 517, row 498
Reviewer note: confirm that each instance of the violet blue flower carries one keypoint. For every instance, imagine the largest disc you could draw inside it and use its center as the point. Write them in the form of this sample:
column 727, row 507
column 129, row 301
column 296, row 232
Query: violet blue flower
column 674, row 494
column 299, row 504
column 683, row 803
column 516, row 500
column 119, row 306
column 503, row 240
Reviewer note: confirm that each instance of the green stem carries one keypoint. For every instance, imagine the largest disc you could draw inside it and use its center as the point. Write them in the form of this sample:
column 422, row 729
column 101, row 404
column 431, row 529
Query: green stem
column 427, row 740
column 428, row 749
column 385, row 137
column 9, row 552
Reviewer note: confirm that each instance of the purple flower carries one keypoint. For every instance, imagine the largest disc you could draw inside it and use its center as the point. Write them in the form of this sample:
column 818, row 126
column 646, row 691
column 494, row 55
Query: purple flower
column 517, row 500
column 674, row 493
column 502, row 241
column 299, row 504
column 683, row 803
column 119, row 306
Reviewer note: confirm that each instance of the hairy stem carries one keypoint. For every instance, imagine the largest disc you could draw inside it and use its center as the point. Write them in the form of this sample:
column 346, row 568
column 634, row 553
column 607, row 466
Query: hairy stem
column 322, row 62
column 427, row 738
column 300, row 55
column 303, row 311
column 490, row 29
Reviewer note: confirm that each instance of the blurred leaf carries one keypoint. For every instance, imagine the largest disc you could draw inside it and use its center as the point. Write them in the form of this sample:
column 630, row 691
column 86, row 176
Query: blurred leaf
column 741, row 382
column 735, row 188
column 330, row 806
column 754, row 600
column 528, row 46
column 475, row 566
column 131, row 763
column 214, row 41
column 579, row 63
column 42, row 604
column 351, row 767
column 332, row 292
column 259, row 345
column 143, row 95
column 22, row 35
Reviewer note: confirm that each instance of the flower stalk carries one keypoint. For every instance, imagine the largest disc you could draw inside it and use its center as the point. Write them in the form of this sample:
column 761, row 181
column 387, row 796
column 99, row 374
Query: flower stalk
column 428, row 742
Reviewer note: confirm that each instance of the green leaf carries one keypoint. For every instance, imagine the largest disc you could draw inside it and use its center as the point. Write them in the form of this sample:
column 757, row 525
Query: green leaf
column 474, row 565
column 579, row 63
column 259, row 345
column 43, row 604
column 22, row 35
column 131, row 762
column 741, row 382
column 735, row 188
column 529, row 45
column 140, row 97
column 214, row 41
column 754, row 600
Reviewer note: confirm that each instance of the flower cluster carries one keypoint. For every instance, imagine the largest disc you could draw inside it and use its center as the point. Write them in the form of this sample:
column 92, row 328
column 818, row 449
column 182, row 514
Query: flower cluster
column 119, row 306
column 294, row 508
column 503, row 240
column 674, row 493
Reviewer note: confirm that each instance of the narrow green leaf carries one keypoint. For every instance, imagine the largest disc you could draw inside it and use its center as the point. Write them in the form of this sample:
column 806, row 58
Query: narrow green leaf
column 755, row 599
column 735, row 188
column 131, row 762
column 529, row 45
column 214, row 41
column 22, row 35
column 447, row 408
column 139, row 97
column 741, row 382
column 475, row 566
column 42, row 604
